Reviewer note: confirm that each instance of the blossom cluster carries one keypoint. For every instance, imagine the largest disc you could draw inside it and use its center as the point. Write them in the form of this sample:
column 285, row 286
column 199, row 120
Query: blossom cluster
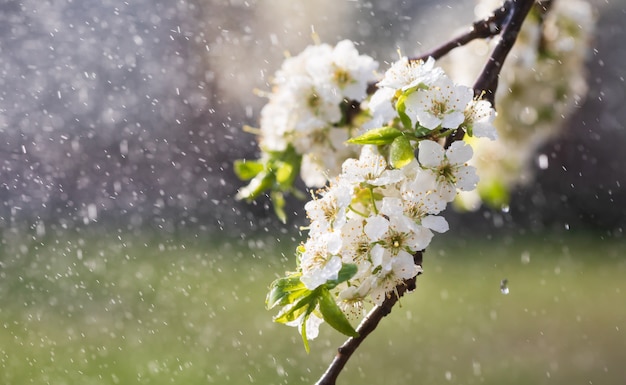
column 309, row 104
column 383, row 207
column 376, row 218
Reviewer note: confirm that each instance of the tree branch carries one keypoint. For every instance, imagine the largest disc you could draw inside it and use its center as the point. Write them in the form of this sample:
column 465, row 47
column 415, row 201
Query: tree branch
column 505, row 21
column 481, row 29
column 487, row 82
column 488, row 79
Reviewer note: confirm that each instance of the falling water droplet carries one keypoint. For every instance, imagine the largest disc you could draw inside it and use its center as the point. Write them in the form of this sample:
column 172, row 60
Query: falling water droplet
column 504, row 289
column 542, row 161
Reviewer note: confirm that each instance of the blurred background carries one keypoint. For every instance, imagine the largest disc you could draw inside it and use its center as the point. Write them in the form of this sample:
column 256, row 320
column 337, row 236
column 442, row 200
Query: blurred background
column 125, row 258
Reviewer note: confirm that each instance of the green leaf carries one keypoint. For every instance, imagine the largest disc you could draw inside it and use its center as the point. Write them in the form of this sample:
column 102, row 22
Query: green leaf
column 286, row 166
column 309, row 301
column 421, row 131
column 348, row 270
column 286, row 290
column 495, row 194
column 377, row 136
column 333, row 315
column 247, row 169
column 401, row 152
column 284, row 173
column 257, row 186
column 278, row 201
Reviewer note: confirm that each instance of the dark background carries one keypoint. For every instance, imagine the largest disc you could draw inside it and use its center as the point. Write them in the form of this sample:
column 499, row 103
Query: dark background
column 130, row 114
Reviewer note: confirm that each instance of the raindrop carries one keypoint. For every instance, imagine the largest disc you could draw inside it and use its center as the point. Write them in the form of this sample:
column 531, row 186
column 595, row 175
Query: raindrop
column 40, row 229
column 476, row 368
column 504, row 289
column 542, row 161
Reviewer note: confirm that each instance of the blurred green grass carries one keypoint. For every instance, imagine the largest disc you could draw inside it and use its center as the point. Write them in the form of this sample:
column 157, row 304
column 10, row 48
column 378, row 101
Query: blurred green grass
column 129, row 309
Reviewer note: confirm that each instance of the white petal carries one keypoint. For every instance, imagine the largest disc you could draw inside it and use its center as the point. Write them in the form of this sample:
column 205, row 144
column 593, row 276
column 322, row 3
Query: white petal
column 436, row 223
column 453, row 119
column 388, row 177
column 377, row 254
column 376, row 227
column 466, row 178
column 420, row 238
column 333, row 242
column 485, row 130
column 312, row 326
column 427, row 119
column 403, row 266
column 459, row 153
column 332, row 267
column 380, row 104
column 431, row 153
column 392, row 207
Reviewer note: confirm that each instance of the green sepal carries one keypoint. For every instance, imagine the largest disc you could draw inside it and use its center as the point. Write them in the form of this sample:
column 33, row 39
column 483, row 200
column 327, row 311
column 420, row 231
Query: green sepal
column 333, row 315
column 378, row 136
column 285, row 291
column 401, row 108
column 407, row 123
column 421, row 131
column 305, row 340
column 401, row 152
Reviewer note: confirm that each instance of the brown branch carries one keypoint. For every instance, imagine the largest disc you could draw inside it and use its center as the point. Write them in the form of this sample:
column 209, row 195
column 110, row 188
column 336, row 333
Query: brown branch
column 487, row 82
column 506, row 21
column 481, row 29
column 369, row 324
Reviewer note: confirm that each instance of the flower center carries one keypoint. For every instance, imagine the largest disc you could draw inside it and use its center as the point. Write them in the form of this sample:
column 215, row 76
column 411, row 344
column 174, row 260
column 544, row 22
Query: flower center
column 446, row 172
column 396, row 240
column 342, row 77
column 314, row 101
column 439, row 108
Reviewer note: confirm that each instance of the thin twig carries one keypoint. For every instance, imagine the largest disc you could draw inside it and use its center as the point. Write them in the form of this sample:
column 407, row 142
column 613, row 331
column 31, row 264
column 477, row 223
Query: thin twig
column 481, row 29
column 506, row 21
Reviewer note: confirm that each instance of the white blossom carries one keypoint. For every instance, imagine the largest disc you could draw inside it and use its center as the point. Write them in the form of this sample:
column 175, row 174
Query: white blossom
column 344, row 71
column 319, row 261
column 405, row 74
column 330, row 209
column 479, row 117
column 443, row 104
column 370, row 168
column 449, row 167
column 386, row 280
